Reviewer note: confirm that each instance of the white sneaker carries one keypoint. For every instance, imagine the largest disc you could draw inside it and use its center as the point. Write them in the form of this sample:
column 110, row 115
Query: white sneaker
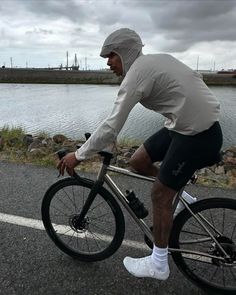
column 145, row 268
column 188, row 198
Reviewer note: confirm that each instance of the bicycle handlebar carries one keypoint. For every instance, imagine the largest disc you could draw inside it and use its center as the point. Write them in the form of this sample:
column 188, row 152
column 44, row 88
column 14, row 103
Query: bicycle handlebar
column 106, row 155
column 62, row 152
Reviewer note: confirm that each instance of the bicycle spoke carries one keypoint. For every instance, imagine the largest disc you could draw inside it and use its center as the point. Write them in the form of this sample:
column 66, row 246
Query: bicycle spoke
column 209, row 270
column 99, row 217
column 100, row 228
column 233, row 275
column 59, row 210
column 64, row 204
column 223, row 278
column 98, row 205
column 212, row 219
column 196, row 233
column 96, row 236
column 223, row 221
column 74, row 201
column 87, row 243
column 233, row 231
column 96, row 242
column 96, row 230
column 214, row 274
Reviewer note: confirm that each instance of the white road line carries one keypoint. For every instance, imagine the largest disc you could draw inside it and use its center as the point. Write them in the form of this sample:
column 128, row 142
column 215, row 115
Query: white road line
column 38, row 224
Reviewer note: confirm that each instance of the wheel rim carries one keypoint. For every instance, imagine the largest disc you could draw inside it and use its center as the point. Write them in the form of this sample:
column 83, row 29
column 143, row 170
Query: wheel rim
column 94, row 234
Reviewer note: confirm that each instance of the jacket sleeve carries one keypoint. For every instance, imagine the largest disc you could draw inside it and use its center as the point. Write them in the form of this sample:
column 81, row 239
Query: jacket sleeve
column 106, row 134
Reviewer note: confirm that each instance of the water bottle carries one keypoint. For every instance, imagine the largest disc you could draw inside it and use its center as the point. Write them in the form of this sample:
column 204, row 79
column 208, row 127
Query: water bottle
column 136, row 205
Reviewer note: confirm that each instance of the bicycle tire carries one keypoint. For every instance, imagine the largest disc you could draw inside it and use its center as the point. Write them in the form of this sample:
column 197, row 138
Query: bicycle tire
column 103, row 230
column 207, row 273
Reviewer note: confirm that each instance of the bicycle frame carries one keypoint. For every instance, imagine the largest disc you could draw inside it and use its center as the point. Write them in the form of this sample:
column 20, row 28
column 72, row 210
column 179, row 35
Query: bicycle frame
column 104, row 177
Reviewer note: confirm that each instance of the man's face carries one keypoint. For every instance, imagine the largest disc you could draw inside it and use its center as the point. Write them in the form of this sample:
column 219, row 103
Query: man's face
column 115, row 64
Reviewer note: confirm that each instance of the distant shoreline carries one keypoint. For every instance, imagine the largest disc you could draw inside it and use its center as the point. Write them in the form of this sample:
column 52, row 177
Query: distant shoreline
column 49, row 76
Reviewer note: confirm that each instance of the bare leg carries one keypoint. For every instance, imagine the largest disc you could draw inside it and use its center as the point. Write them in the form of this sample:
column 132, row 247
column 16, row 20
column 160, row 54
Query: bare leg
column 155, row 265
column 162, row 198
column 141, row 163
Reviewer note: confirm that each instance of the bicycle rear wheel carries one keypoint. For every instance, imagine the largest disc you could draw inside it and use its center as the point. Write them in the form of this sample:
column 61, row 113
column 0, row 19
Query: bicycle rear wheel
column 211, row 274
column 101, row 231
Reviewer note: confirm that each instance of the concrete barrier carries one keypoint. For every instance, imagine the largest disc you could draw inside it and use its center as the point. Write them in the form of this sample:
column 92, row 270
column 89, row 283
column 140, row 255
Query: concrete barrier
column 57, row 76
column 47, row 76
column 219, row 79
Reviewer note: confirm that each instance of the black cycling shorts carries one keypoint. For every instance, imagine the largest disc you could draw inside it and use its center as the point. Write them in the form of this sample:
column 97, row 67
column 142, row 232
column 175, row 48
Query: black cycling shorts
column 181, row 155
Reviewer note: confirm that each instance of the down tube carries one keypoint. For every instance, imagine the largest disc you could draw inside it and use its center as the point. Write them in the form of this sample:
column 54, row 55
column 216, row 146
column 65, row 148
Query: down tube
column 120, row 196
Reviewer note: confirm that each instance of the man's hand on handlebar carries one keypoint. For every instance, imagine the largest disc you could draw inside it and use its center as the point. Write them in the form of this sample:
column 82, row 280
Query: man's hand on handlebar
column 68, row 162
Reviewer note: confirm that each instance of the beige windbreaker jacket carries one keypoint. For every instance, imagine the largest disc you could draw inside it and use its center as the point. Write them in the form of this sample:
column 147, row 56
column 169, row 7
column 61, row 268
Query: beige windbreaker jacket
column 160, row 83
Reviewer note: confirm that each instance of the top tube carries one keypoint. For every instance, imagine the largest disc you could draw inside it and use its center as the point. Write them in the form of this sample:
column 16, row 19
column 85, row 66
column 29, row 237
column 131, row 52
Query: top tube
column 129, row 173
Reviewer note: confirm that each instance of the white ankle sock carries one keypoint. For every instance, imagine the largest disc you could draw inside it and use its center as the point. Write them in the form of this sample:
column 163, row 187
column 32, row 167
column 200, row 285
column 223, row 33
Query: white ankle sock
column 160, row 257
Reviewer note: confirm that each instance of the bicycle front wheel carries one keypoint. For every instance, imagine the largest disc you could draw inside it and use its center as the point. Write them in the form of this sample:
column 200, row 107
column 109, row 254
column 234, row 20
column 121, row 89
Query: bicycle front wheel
column 101, row 231
column 209, row 270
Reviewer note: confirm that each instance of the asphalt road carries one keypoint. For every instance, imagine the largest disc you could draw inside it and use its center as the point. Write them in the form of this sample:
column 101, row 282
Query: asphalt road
column 30, row 264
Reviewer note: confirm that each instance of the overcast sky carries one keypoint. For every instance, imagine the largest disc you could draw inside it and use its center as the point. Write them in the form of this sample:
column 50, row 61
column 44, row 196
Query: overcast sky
column 38, row 33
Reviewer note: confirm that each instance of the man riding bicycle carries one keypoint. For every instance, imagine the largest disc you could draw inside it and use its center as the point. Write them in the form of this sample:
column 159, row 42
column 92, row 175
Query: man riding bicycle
column 190, row 137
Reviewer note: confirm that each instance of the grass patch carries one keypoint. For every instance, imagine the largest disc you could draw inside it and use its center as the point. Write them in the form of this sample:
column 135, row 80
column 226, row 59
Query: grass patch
column 129, row 142
column 16, row 147
column 12, row 136
column 47, row 161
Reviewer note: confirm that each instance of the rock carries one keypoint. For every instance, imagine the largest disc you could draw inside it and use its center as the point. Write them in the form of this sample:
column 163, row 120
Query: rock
column 13, row 141
column 128, row 154
column 230, row 160
column 47, row 142
column 38, row 152
column 231, row 174
column 1, row 142
column 70, row 144
column 219, row 170
column 122, row 162
column 231, row 150
column 59, row 138
column 19, row 153
column 28, row 139
column 229, row 167
column 44, row 142
column 202, row 171
column 124, row 150
column 233, row 171
column 35, row 144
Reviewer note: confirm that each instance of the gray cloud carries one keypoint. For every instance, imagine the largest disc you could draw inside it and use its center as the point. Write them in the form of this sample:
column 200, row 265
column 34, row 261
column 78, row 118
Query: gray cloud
column 40, row 31
column 70, row 9
column 173, row 26
column 184, row 23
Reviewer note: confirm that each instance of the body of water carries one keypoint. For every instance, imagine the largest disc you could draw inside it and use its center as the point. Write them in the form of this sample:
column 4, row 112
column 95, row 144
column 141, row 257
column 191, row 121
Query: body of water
column 75, row 109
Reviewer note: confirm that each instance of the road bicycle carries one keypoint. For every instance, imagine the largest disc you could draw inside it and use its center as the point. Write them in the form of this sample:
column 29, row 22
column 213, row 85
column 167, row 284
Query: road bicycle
column 84, row 219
